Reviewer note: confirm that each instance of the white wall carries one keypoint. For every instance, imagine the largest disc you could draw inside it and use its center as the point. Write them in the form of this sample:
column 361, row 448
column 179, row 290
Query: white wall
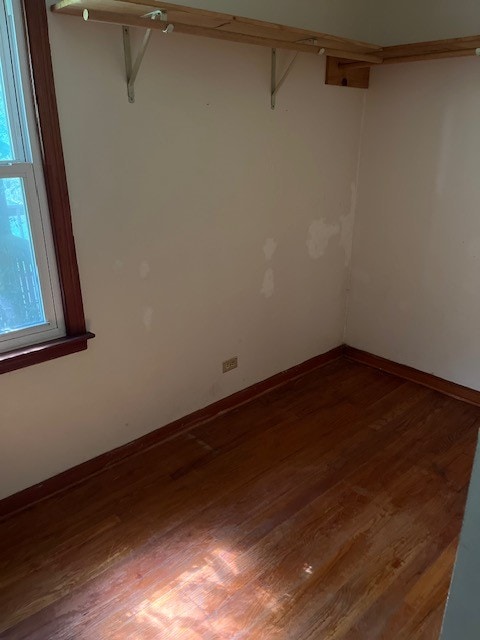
column 416, row 264
column 178, row 202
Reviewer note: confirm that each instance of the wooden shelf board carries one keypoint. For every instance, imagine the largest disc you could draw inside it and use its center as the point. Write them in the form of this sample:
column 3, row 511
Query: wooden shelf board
column 347, row 59
column 76, row 7
column 435, row 46
column 260, row 28
column 420, row 51
column 220, row 26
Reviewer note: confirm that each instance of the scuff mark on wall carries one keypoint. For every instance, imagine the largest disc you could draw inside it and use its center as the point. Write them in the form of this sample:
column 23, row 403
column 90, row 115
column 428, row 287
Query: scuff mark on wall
column 319, row 235
column 347, row 223
column 269, row 249
column 361, row 276
column 144, row 270
column 473, row 248
column 118, row 266
column 147, row 318
column 268, row 286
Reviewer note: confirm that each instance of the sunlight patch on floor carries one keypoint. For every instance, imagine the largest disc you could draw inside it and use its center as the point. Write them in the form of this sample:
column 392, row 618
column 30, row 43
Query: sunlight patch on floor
column 198, row 604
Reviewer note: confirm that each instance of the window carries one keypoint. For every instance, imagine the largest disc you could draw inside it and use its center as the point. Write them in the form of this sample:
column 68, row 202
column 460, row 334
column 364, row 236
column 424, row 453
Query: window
column 30, row 300
column 41, row 312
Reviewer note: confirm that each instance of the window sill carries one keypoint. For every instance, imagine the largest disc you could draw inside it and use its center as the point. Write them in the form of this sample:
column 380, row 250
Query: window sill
column 34, row 354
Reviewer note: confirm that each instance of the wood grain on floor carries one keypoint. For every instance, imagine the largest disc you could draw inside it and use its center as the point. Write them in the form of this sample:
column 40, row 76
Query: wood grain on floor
column 328, row 509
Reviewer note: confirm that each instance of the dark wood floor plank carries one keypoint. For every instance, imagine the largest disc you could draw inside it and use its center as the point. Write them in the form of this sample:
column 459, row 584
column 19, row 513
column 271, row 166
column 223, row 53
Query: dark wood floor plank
column 306, row 465
column 258, row 451
column 314, row 511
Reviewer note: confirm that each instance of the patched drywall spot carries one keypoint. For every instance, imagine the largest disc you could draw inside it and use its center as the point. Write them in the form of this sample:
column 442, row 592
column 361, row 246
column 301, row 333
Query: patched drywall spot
column 147, row 318
column 144, row 270
column 214, row 391
column 347, row 222
column 118, row 266
column 269, row 249
column 445, row 155
column 268, row 286
column 319, row 235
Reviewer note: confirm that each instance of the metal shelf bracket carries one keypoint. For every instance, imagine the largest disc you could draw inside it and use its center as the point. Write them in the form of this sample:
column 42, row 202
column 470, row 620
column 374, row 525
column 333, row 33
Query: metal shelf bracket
column 276, row 86
column 133, row 67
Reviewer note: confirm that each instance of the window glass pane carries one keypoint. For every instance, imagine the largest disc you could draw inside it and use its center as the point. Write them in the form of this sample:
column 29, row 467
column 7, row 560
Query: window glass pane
column 21, row 303
column 6, row 147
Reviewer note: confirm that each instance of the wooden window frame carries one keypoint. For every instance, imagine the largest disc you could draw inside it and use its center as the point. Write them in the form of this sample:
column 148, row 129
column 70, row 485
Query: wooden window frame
column 41, row 72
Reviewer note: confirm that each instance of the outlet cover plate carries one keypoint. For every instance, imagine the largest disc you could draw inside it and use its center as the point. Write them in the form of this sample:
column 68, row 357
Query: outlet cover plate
column 230, row 365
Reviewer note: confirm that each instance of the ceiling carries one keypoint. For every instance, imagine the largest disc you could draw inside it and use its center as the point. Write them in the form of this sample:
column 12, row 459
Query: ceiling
column 403, row 21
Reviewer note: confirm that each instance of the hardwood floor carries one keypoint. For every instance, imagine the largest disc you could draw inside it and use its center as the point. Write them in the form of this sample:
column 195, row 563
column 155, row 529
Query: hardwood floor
column 328, row 509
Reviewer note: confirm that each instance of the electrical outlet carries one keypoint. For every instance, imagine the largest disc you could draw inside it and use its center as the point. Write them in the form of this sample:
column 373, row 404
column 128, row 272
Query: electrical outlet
column 230, row 365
